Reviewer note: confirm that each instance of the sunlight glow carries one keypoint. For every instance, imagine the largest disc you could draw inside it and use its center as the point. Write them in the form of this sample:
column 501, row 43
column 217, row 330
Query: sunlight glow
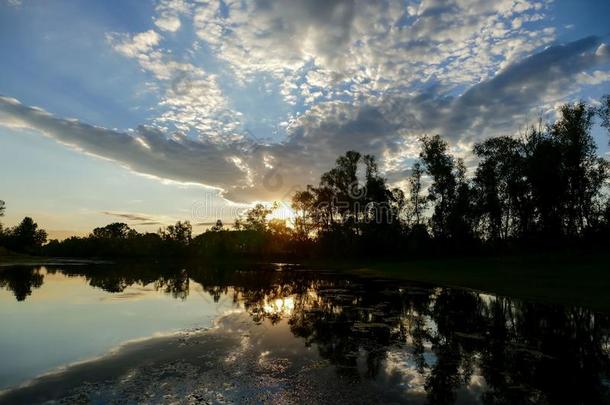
column 279, row 306
column 284, row 212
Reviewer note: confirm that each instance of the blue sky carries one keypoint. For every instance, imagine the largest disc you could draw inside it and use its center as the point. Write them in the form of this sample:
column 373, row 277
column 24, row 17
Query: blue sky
column 154, row 111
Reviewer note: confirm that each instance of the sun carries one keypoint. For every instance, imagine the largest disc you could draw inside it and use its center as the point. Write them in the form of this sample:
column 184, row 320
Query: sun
column 283, row 212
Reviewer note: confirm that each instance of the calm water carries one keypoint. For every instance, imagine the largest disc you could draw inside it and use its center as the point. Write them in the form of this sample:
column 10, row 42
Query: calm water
column 292, row 329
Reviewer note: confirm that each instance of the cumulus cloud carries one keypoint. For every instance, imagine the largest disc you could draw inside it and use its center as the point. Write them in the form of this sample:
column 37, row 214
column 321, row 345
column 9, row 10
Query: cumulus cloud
column 169, row 12
column 372, row 46
column 386, row 127
column 371, row 76
column 168, row 23
column 136, row 45
column 190, row 99
column 389, row 126
column 320, row 50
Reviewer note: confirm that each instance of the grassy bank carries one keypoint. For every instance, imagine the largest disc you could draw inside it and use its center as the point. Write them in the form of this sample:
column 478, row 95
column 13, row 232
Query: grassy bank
column 10, row 257
column 570, row 280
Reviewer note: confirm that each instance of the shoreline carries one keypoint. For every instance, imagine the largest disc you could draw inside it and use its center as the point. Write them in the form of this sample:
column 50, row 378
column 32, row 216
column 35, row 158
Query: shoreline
column 580, row 280
column 565, row 279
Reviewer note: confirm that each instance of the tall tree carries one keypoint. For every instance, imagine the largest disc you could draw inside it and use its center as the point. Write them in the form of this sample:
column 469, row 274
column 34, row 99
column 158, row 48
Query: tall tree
column 217, row 227
column 604, row 112
column 255, row 219
column 305, row 208
column 2, row 207
column 380, row 203
column 341, row 185
column 181, row 233
column 502, row 197
column 543, row 162
column 461, row 213
column 584, row 173
column 440, row 165
column 417, row 202
column 26, row 237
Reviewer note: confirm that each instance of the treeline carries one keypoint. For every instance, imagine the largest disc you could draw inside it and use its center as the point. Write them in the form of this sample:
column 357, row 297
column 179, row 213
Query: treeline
column 547, row 189
column 256, row 237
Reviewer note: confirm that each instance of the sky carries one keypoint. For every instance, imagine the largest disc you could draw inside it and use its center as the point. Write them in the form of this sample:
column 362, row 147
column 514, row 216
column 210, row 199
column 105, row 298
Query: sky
column 149, row 112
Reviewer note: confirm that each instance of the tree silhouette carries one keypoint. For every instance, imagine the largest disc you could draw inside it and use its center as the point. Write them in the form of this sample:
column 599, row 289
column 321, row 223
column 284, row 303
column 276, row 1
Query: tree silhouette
column 604, row 112
column 582, row 171
column 545, row 190
column 342, row 191
column 440, row 165
column 2, row 208
column 417, row 202
column 255, row 219
column 180, row 233
column 304, row 205
column 25, row 237
column 502, row 201
column 217, row 227
column 117, row 230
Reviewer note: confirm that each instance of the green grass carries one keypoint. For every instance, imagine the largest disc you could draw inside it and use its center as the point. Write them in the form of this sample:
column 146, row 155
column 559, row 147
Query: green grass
column 571, row 280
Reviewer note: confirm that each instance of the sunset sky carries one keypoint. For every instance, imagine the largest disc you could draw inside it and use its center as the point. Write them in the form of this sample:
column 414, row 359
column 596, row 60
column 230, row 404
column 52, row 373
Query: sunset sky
column 149, row 112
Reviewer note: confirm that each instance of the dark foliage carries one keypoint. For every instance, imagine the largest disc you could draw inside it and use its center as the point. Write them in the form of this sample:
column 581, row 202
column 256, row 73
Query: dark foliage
column 545, row 190
column 24, row 238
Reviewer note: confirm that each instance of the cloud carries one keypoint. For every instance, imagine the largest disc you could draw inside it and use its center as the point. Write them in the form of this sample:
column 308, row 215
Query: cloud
column 363, row 75
column 386, row 128
column 168, row 23
column 169, row 12
column 211, row 223
column 129, row 216
column 139, row 219
column 144, row 150
column 136, row 45
column 523, row 85
column 346, row 50
column 190, row 99
column 390, row 126
column 371, row 46
column 273, row 36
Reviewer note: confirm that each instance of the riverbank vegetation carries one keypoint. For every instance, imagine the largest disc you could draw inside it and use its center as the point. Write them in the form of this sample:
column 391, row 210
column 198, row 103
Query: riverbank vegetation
column 546, row 190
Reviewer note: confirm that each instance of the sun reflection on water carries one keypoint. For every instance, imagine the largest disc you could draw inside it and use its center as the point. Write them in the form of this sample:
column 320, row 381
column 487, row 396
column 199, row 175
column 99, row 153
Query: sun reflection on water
column 279, row 306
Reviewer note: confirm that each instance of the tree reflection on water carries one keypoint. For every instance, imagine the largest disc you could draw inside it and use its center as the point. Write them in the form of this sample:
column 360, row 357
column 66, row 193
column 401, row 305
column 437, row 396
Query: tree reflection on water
column 444, row 339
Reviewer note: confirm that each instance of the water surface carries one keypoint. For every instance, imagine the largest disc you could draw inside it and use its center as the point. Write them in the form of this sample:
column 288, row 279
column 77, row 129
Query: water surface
column 285, row 333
